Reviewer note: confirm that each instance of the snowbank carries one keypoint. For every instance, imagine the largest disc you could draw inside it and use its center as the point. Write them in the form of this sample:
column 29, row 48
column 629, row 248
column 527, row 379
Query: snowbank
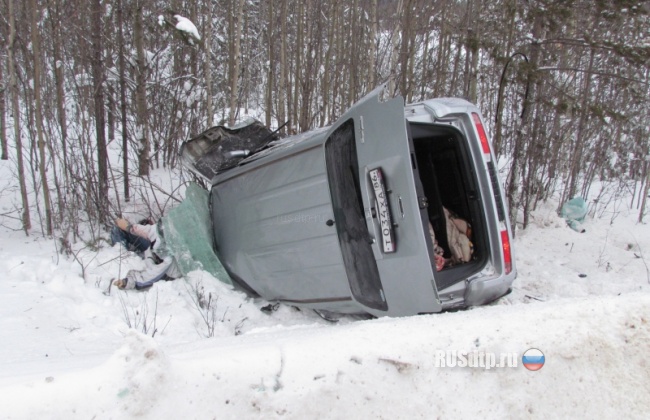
column 595, row 368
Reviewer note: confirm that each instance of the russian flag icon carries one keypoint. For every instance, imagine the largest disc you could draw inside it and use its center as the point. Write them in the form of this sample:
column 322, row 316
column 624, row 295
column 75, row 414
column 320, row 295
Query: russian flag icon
column 533, row 359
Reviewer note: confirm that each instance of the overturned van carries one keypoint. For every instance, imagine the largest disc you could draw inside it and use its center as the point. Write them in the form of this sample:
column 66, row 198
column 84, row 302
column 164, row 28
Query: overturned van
column 393, row 210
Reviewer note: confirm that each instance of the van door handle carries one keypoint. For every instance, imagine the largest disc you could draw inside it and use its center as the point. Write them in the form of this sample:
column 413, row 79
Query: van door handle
column 330, row 222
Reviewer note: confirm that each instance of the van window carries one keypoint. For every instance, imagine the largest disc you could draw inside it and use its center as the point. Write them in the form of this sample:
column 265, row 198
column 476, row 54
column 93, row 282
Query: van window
column 358, row 258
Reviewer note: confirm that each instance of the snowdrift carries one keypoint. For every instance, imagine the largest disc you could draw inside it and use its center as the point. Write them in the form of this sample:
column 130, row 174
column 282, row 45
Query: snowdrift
column 596, row 367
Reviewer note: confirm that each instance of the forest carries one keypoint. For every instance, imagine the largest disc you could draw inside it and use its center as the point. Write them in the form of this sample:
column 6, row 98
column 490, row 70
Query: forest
column 563, row 86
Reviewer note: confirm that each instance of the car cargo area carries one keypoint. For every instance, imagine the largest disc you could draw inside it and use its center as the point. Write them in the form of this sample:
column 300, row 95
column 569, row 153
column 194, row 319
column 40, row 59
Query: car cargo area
column 454, row 210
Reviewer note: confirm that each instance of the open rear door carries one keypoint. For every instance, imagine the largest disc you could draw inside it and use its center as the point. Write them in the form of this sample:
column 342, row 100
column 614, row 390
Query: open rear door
column 384, row 200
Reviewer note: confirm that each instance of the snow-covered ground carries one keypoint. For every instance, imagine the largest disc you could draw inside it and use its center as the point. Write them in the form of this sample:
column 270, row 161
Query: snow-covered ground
column 70, row 349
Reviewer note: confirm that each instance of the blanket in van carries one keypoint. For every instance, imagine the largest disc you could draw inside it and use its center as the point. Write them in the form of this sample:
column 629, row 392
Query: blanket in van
column 459, row 232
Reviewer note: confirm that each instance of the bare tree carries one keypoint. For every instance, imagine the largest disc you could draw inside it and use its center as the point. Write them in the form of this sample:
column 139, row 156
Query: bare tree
column 523, row 132
column 282, row 82
column 3, row 116
column 236, row 17
column 142, row 127
column 36, row 48
column 98, row 95
column 207, row 63
column 374, row 28
column 59, row 78
column 123, row 113
column 270, row 80
column 13, row 83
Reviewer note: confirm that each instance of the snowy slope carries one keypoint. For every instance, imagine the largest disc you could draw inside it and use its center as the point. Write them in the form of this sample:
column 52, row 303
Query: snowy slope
column 595, row 349
column 71, row 349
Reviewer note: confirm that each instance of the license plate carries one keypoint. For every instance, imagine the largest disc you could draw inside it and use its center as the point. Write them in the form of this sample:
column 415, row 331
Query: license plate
column 383, row 212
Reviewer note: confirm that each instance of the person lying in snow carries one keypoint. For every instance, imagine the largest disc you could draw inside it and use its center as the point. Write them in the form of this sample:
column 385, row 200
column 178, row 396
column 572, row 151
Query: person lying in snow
column 146, row 240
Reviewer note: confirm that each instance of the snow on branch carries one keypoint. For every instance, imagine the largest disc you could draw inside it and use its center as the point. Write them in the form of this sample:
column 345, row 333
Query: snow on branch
column 184, row 27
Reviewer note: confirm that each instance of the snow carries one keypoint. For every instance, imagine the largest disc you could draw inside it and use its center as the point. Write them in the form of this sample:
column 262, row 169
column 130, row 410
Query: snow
column 72, row 349
column 185, row 25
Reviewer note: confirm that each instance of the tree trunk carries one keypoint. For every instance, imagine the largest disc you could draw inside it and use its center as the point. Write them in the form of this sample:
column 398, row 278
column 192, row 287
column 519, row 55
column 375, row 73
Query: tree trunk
column 193, row 125
column 98, row 86
column 306, row 82
column 411, row 58
column 443, row 52
column 405, row 46
column 451, row 90
column 332, row 15
column 271, row 69
column 338, row 83
column 207, row 64
column 3, row 116
column 354, row 53
column 13, row 81
column 426, row 64
column 522, row 134
column 234, row 59
column 510, row 15
column 394, row 58
column 576, row 155
column 646, row 163
column 468, row 44
column 374, row 25
column 298, row 62
column 59, row 78
column 142, row 127
column 646, row 190
column 123, row 115
column 287, row 74
column 36, row 48
column 474, row 48
column 282, row 84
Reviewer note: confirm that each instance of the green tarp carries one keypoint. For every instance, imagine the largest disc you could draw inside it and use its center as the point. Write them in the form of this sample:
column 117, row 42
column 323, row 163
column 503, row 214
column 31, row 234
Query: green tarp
column 188, row 235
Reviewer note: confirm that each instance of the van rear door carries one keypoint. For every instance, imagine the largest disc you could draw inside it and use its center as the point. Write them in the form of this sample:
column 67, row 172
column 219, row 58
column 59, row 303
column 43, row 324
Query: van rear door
column 400, row 279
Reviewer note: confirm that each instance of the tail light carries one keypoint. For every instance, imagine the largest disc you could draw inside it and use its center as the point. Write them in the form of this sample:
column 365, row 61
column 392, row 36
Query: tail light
column 507, row 254
column 481, row 132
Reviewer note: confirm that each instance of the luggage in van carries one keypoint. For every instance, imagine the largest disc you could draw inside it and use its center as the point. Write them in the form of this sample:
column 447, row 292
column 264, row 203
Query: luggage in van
column 394, row 210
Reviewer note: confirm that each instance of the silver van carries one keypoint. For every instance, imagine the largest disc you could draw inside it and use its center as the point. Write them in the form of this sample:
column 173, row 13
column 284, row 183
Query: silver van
column 392, row 211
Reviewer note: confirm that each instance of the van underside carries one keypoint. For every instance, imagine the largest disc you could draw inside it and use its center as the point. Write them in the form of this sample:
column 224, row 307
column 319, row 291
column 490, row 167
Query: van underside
column 449, row 182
